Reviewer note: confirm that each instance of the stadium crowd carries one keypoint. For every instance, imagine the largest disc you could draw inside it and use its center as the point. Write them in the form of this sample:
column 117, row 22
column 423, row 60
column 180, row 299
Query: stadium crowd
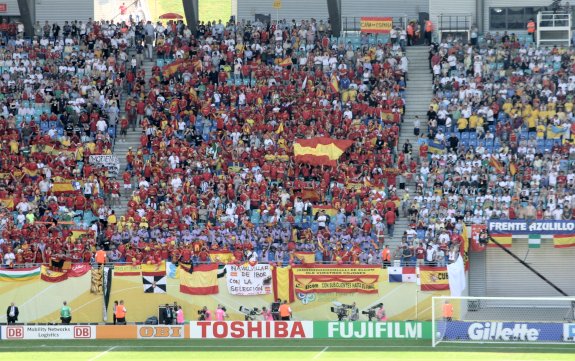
column 500, row 139
column 215, row 169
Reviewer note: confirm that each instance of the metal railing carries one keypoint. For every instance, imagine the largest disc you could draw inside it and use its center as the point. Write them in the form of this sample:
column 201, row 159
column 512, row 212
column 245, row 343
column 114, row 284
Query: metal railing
column 549, row 19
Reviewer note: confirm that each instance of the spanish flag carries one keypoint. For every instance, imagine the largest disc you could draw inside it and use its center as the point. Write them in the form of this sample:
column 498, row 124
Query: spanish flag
column 329, row 210
column 156, row 269
column 52, row 276
column 63, row 187
column 433, row 278
column 512, row 168
column 7, row 203
column 127, row 270
column 334, row 83
column 305, row 257
column 320, row 150
column 504, row 239
column 286, row 62
column 563, row 240
column 203, row 280
column 495, row 163
column 221, row 256
column 283, row 285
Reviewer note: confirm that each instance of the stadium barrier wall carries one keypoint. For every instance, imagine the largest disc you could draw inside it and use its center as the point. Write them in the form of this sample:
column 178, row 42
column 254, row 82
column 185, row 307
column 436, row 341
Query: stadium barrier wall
column 40, row 301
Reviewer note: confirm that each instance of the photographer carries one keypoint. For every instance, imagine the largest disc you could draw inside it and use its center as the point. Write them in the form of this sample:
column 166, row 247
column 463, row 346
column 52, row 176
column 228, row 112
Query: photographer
column 380, row 314
column 205, row 314
column 221, row 314
column 354, row 315
column 267, row 314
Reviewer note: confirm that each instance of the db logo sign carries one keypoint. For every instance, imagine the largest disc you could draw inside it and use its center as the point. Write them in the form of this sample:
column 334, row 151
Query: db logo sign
column 13, row 332
column 160, row 332
column 82, row 332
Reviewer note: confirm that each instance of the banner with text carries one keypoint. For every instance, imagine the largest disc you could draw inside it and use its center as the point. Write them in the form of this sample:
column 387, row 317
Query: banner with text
column 110, row 162
column 373, row 25
column 335, row 278
column 526, row 227
column 379, row 330
column 251, row 329
column 249, row 280
column 48, row 332
column 500, row 331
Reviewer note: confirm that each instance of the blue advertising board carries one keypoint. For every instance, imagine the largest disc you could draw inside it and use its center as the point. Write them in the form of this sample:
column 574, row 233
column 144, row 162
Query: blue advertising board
column 500, row 331
column 525, row 227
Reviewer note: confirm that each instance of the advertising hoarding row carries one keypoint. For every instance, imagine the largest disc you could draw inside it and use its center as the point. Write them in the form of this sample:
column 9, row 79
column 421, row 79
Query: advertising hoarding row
column 410, row 330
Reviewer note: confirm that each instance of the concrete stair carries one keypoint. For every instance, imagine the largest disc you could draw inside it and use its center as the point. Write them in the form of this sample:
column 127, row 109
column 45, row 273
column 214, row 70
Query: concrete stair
column 121, row 147
column 418, row 96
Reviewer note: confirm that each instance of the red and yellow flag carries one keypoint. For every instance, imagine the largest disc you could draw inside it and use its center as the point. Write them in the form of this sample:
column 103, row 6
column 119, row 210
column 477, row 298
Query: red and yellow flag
column 433, row 278
column 283, row 286
column 221, row 256
column 305, row 257
column 286, row 62
column 52, row 276
column 512, row 168
column 320, row 150
column 334, row 83
column 202, row 281
column 7, row 203
column 154, row 269
column 329, row 210
column 564, row 240
column 495, row 163
column 504, row 239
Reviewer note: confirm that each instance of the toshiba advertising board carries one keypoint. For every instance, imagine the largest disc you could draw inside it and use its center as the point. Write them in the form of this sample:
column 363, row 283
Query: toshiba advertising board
column 251, row 329
column 48, row 332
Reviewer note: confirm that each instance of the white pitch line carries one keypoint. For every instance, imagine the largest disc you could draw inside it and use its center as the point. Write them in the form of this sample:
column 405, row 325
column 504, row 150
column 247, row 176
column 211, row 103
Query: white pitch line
column 103, row 353
column 439, row 348
column 319, row 353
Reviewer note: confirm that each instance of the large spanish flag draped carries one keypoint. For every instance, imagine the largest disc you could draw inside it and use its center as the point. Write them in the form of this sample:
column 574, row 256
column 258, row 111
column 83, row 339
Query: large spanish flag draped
column 564, row 240
column 433, row 278
column 329, row 210
column 320, row 150
column 202, row 281
column 19, row 274
column 127, row 270
column 283, row 284
column 156, row 269
column 506, row 240
column 52, row 276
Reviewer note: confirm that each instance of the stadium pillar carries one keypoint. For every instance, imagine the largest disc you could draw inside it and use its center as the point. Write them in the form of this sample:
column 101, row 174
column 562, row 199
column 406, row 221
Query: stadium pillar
column 25, row 7
column 191, row 10
column 334, row 11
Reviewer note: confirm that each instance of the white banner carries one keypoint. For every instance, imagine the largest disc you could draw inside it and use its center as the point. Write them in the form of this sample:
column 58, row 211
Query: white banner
column 249, row 280
column 111, row 162
column 251, row 329
column 48, row 332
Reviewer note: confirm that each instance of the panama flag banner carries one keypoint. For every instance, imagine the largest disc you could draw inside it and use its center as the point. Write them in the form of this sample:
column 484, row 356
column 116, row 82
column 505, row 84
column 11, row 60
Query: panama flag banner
column 19, row 274
column 402, row 274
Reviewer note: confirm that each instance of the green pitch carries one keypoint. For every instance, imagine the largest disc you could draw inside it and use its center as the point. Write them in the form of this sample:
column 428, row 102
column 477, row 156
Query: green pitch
column 268, row 350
